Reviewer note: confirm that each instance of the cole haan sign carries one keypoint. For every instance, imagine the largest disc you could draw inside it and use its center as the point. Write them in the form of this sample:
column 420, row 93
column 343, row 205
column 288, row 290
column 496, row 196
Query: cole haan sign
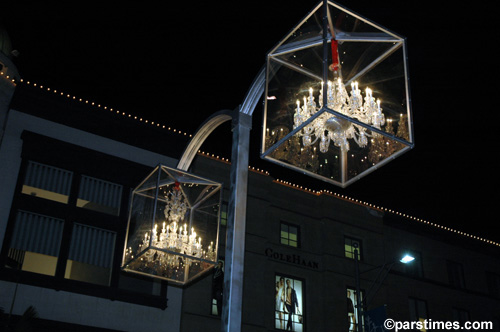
column 291, row 258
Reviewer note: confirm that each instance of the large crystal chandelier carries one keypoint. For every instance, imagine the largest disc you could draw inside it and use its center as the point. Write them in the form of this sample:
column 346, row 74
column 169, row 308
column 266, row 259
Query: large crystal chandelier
column 330, row 128
column 173, row 226
column 322, row 113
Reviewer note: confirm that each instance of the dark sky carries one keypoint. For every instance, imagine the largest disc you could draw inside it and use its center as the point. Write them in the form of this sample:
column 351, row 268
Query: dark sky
column 180, row 63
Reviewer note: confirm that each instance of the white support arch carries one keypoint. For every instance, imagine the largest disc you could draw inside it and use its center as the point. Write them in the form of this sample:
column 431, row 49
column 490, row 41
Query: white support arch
column 250, row 102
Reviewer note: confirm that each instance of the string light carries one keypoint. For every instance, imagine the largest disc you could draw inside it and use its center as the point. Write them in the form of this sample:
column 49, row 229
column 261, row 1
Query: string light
column 48, row 89
column 256, row 170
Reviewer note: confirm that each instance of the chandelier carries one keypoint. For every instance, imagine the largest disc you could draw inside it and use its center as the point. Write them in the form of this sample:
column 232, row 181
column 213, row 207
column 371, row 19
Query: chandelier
column 175, row 237
column 174, row 226
column 339, row 66
column 330, row 128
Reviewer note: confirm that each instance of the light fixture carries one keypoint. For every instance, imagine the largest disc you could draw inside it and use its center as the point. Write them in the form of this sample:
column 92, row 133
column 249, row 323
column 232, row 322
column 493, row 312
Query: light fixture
column 407, row 259
column 331, row 128
column 337, row 102
column 173, row 226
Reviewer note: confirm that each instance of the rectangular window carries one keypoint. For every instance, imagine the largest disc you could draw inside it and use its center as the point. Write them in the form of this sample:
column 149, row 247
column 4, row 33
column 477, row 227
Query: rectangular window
column 65, row 221
column 418, row 311
column 349, row 245
column 47, row 182
column 90, row 255
column 217, row 288
column 99, row 195
column 455, row 274
column 352, row 309
column 223, row 214
column 289, row 235
column 35, row 243
column 289, row 305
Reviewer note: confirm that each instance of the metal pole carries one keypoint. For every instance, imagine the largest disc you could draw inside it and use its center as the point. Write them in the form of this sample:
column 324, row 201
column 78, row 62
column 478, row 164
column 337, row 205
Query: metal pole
column 359, row 305
column 235, row 231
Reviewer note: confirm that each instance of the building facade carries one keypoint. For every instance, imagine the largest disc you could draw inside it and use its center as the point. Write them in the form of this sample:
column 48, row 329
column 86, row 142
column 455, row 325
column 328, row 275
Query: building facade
column 67, row 170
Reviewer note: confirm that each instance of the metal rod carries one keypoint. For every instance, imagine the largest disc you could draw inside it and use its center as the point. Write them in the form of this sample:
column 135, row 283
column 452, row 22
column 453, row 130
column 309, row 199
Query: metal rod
column 325, row 50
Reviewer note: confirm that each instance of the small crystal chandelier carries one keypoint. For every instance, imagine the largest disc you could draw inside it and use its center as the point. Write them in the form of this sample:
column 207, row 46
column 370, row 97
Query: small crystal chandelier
column 173, row 226
column 175, row 238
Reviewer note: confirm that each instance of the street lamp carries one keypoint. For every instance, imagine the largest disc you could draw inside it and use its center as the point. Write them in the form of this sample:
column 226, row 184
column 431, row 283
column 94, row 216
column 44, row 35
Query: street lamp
column 383, row 272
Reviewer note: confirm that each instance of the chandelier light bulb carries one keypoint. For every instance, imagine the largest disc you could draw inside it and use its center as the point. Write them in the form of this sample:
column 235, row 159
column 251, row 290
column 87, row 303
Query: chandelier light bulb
column 327, row 127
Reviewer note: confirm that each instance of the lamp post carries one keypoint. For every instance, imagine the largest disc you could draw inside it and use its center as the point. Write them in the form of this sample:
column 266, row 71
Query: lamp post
column 361, row 303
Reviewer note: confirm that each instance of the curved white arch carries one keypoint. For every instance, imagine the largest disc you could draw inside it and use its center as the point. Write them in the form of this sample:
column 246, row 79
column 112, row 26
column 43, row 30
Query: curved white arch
column 201, row 135
column 252, row 97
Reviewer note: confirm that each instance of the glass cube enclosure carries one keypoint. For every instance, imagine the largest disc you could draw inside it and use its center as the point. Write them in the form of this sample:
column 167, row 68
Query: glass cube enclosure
column 337, row 97
column 173, row 226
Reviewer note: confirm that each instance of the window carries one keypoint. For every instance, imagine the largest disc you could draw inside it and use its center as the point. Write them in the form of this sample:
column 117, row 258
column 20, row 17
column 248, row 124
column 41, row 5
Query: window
column 289, row 306
column 37, row 238
column 289, row 235
column 352, row 309
column 99, row 195
column 35, row 243
column 90, row 255
column 455, row 274
column 47, row 182
column 349, row 245
column 217, row 289
column 223, row 214
column 415, row 268
column 67, row 223
column 418, row 311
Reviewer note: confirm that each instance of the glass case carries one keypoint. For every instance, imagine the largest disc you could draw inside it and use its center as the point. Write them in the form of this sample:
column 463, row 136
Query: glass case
column 173, row 226
column 337, row 97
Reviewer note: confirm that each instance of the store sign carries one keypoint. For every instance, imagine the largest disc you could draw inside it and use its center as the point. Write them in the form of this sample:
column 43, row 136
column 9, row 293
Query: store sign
column 291, row 258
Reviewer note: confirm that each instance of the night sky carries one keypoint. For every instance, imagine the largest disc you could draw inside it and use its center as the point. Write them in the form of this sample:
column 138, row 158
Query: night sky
column 180, row 64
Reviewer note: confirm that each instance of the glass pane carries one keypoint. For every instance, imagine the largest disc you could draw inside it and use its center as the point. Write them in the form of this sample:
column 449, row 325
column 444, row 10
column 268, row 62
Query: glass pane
column 35, row 243
column 99, row 195
column 90, row 255
column 47, row 182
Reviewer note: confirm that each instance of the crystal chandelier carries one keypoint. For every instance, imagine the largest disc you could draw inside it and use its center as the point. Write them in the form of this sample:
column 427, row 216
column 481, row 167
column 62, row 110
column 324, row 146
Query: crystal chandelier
column 330, row 128
column 173, row 236
column 337, row 63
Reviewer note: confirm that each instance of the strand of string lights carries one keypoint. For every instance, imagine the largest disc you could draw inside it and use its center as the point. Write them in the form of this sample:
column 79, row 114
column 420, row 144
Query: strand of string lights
column 257, row 170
